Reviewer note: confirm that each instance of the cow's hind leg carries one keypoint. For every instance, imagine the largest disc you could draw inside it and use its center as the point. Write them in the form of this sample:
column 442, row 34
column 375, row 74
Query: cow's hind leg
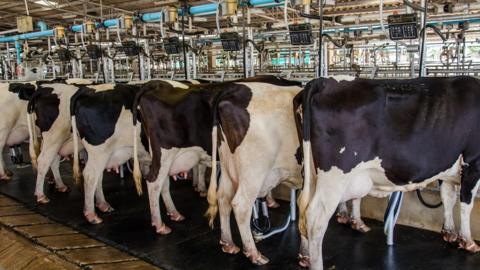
column 242, row 203
column 4, row 173
column 449, row 198
column 321, row 208
column 154, row 190
column 59, row 185
column 468, row 190
column 356, row 220
column 48, row 156
column 92, row 174
column 100, row 201
column 172, row 211
column 225, row 195
column 201, row 187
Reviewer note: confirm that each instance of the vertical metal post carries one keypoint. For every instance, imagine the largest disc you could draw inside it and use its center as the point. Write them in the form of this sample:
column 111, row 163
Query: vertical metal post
column 423, row 49
column 185, row 61
column 320, row 42
column 244, row 36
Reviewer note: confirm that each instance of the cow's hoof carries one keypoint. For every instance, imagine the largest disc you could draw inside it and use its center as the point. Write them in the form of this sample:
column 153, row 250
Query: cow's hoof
column 272, row 204
column 203, row 194
column 303, row 261
column 449, row 236
column 469, row 245
column 5, row 177
column 105, row 208
column 257, row 259
column 162, row 229
column 42, row 199
column 176, row 216
column 229, row 248
column 63, row 189
column 343, row 218
column 360, row 226
column 92, row 218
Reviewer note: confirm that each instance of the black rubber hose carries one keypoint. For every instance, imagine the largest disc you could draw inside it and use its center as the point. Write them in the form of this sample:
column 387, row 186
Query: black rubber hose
column 427, row 204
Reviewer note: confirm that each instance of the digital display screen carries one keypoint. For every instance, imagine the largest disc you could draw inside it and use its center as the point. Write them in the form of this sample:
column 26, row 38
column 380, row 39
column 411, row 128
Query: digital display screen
column 300, row 34
column 172, row 45
column 230, row 41
column 403, row 26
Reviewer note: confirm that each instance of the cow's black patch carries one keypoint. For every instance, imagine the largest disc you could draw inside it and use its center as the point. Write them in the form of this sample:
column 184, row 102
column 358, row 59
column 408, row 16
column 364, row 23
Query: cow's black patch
column 233, row 116
column 97, row 112
column 46, row 107
column 23, row 90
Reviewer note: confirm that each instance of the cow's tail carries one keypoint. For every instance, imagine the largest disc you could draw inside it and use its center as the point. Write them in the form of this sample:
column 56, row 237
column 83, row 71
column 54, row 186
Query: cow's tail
column 305, row 195
column 212, row 188
column 137, row 174
column 34, row 144
column 77, row 175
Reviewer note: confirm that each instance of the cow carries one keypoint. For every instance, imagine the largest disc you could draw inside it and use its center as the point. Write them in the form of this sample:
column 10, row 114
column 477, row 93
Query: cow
column 101, row 116
column 50, row 106
column 379, row 136
column 257, row 144
column 14, row 126
column 13, row 108
column 179, row 120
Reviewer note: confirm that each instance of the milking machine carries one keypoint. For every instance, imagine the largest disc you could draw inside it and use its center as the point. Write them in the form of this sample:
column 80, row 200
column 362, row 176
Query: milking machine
column 262, row 227
column 16, row 155
column 391, row 215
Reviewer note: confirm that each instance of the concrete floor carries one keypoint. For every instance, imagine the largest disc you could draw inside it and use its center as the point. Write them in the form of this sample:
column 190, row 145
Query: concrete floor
column 192, row 245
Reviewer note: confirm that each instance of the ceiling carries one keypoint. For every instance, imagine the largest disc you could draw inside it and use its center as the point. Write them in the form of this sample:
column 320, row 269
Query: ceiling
column 65, row 12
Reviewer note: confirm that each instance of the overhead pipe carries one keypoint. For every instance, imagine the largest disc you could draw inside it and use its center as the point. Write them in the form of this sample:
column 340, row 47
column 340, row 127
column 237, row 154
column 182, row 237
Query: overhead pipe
column 31, row 35
column 211, row 8
column 151, row 17
column 42, row 25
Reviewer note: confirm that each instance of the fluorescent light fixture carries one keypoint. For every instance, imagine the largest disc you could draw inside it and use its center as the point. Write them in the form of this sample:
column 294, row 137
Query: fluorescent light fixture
column 71, row 16
column 46, row 3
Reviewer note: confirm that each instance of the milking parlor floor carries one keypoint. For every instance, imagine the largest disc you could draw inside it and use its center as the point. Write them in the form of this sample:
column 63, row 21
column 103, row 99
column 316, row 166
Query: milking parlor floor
column 193, row 245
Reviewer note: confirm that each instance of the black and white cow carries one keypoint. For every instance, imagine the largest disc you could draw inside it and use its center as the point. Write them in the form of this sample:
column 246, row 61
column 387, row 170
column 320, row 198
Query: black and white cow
column 254, row 123
column 380, row 136
column 178, row 119
column 102, row 117
column 50, row 107
column 13, row 125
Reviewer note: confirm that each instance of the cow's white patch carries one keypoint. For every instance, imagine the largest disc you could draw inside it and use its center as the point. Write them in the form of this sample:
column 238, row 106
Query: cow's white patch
column 355, row 153
column 342, row 150
column 78, row 81
column 340, row 78
column 382, row 186
column 136, row 82
column 177, row 84
column 60, row 88
column 102, row 87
